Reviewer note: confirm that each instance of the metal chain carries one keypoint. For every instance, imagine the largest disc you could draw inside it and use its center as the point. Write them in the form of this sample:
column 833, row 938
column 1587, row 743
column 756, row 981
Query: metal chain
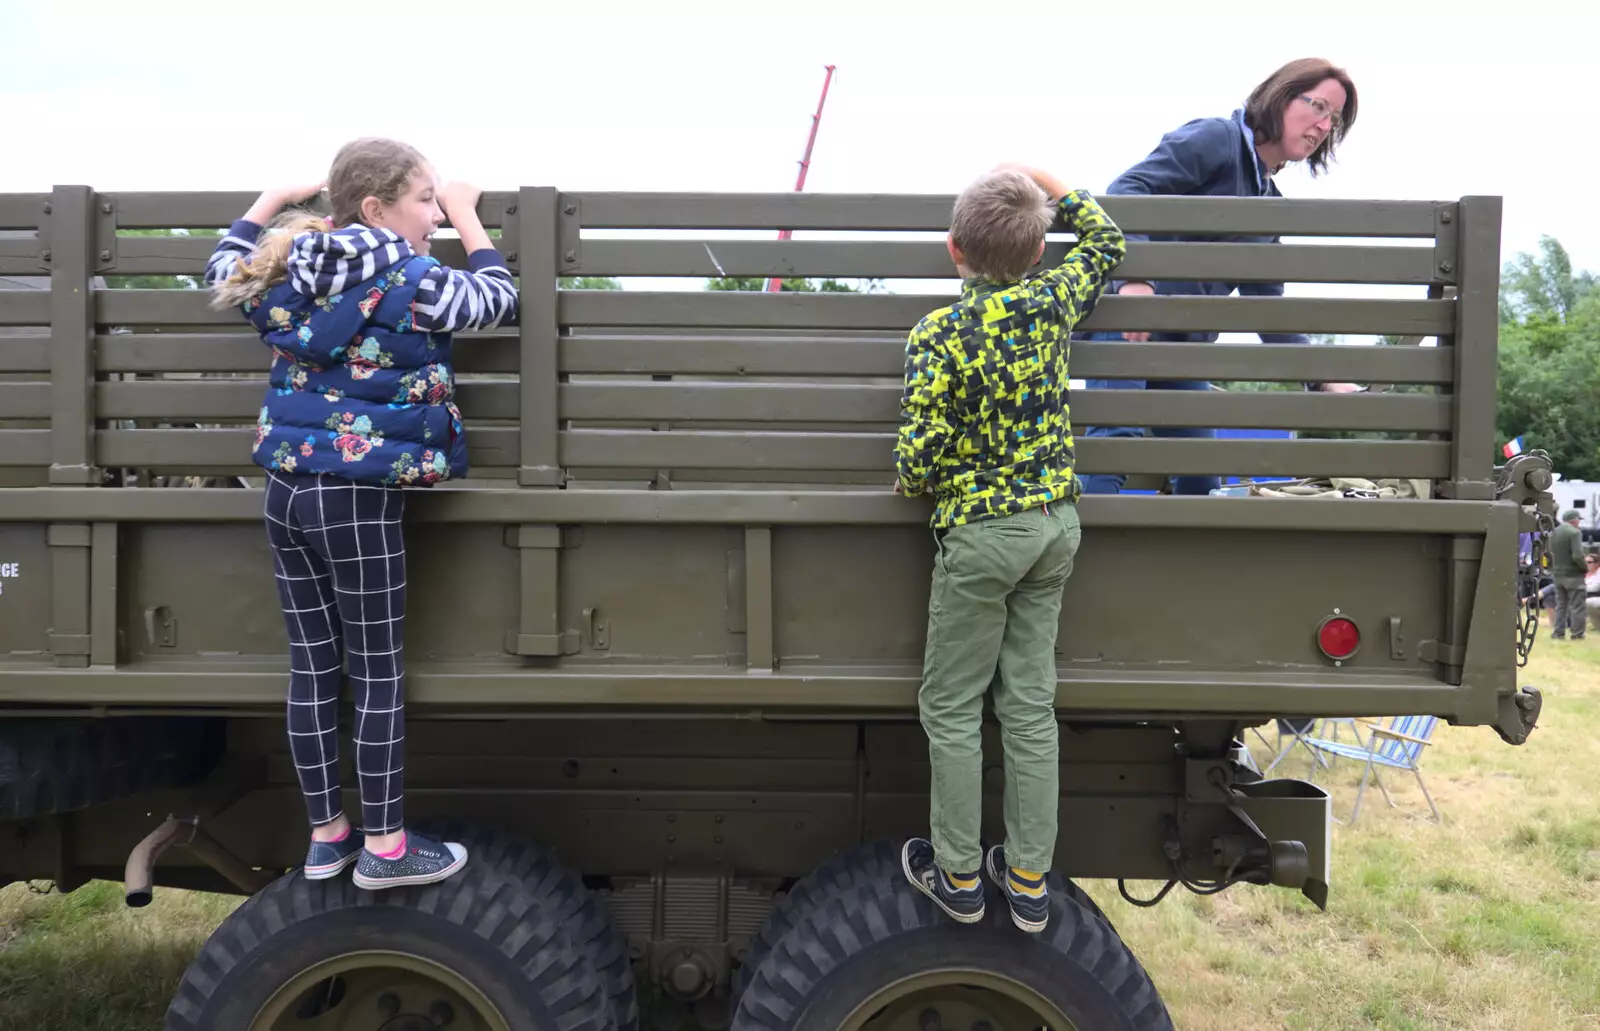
column 1528, row 618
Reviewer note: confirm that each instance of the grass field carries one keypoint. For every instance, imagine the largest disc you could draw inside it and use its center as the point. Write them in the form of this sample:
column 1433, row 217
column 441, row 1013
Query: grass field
column 1489, row 921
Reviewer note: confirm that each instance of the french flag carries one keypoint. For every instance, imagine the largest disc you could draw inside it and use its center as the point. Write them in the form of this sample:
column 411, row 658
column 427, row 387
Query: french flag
column 1513, row 447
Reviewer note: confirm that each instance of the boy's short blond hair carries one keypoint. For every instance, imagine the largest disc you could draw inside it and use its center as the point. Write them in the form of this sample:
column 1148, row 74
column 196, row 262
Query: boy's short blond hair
column 999, row 222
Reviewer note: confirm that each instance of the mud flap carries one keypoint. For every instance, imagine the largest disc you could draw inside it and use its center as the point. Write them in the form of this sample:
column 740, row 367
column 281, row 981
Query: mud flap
column 1292, row 811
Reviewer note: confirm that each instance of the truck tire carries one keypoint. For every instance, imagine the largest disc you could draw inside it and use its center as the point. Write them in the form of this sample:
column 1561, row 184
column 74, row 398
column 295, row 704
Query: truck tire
column 851, row 954
column 561, row 889
column 476, row 945
column 60, row 765
column 843, row 872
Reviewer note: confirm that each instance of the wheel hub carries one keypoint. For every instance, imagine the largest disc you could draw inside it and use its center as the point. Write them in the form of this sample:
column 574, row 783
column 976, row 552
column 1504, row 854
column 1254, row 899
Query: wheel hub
column 378, row 991
column 957, row 1000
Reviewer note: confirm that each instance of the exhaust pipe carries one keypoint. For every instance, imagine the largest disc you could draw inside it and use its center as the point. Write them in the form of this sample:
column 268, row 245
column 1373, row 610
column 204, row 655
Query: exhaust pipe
column 138, row 878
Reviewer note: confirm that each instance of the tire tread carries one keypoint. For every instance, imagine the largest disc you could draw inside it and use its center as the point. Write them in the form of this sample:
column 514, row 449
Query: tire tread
column 494, row 908
column 861, row 901
column 844, row 871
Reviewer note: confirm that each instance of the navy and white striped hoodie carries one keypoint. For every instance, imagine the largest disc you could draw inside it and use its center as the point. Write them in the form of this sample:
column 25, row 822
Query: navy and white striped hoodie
column 361, row 384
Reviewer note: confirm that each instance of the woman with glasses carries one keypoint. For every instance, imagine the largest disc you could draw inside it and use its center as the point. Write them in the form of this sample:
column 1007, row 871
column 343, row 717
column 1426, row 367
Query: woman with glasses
column 1301, row 112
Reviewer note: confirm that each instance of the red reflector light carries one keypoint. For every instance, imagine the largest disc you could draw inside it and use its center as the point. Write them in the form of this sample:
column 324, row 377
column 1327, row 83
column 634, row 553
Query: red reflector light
column 1338, row 638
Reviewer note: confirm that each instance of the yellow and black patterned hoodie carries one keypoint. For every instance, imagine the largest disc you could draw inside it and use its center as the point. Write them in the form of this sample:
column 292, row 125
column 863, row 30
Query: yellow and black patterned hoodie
column 984, row 418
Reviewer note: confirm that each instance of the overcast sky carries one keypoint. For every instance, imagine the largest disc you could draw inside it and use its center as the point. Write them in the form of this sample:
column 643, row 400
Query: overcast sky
column 182, row 95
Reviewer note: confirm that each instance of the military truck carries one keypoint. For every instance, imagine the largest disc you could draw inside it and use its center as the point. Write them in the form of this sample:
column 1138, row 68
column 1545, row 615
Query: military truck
column 665, row 642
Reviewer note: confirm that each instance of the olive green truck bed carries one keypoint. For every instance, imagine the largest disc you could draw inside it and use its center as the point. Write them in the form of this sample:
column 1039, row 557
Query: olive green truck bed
column 671, row 629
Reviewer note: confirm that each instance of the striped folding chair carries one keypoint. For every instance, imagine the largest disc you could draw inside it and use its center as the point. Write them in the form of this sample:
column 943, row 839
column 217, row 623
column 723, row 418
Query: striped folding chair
column 1300, row 731
column 1395, row 745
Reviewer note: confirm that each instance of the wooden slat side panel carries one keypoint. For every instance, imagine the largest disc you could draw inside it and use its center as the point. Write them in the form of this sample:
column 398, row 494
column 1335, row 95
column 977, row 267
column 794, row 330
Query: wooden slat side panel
column 27, row 400
column 864, row 451
column 1225, row 262
column 24, row 307
column 218, row 209
column 187, row 255
column 823, row 311
column 497, row 447
column 931, row 212
column 754, row 355
column 688, row 401
column 243, row 352
column 28, row 351
column 22, row 210
column 190, row 449
column 19, row 448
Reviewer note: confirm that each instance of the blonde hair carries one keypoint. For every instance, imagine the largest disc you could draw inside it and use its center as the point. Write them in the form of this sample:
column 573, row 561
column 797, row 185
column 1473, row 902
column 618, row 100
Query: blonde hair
column 999, row 222
column 368, row 167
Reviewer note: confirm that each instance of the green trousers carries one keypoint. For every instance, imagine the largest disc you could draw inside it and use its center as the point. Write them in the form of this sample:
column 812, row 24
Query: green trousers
column 996, row 606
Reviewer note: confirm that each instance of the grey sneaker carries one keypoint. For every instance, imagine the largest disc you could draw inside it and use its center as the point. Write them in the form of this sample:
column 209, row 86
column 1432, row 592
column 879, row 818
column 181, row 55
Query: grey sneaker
column 963, row 904
column 423, row 862
column 325, row 859
column 1028, row 898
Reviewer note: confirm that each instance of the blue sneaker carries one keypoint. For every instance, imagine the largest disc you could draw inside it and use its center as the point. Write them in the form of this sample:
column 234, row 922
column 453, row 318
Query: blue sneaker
column 962, row 901
column 424, row 861
column 1028, row 897
column 325, row 859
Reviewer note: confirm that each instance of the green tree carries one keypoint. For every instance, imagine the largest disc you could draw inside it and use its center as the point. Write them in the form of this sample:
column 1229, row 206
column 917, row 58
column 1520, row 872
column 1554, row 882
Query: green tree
column 590, row 283
column 1549, row 388
column 157, row 282
column 1544, row 285
column 1549, row 360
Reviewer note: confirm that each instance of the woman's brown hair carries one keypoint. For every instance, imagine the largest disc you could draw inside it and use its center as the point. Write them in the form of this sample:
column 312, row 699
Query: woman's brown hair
column 1263, row 110
column 368, row 167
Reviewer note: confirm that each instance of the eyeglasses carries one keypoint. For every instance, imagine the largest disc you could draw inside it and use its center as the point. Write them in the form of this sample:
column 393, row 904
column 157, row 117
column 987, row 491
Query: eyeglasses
column 1324, row 110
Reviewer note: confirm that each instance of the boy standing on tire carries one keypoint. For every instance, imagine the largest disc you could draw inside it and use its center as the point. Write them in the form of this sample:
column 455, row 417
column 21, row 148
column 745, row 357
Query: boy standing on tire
column 985, row 429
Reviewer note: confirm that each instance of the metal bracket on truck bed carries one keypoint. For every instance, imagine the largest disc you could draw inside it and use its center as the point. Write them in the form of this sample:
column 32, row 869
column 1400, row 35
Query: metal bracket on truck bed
column 1518, row 714
column 1526, row 479
column 1282, row 835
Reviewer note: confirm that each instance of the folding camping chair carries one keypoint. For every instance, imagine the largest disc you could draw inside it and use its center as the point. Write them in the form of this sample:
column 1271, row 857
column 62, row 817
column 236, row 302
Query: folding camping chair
column 1298, row 731
column 1397, row 746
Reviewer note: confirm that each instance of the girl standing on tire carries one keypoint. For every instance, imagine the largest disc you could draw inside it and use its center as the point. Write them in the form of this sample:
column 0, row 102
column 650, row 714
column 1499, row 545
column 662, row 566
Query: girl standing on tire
column 359, row 406
column 1301, row 112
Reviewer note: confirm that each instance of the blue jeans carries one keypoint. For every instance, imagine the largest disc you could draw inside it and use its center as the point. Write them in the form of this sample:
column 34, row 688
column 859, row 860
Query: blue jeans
column 1111, row 483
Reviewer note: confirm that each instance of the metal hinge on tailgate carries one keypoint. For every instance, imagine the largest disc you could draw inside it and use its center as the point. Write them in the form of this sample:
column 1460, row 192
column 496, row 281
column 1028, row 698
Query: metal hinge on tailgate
column 1444, row 654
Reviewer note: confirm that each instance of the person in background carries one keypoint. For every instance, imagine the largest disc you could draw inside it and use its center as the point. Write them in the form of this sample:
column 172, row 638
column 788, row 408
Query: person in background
column 1591, row 587
column 1527, row 573
column 1301, row 112
column 1568, row 569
